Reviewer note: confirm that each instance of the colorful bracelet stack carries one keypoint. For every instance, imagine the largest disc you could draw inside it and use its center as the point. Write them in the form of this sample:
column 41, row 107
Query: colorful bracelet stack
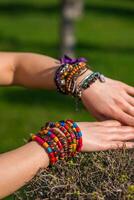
column 69, row 71
column 67, row 74
column 61, row 140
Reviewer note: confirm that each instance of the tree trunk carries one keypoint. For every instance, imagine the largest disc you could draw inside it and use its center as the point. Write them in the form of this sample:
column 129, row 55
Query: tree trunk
column 71, row 10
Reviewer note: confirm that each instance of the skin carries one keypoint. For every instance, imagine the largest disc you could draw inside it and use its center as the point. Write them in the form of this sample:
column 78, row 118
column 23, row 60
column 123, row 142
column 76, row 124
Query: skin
column 37, row 71
column 102, row 136
column 116, row 99
column 20, row 165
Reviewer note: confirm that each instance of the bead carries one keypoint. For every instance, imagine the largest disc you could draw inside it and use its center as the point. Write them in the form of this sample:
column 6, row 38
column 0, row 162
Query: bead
column 45, row 144
column 49, row 150
column 61, row 140
column 62, row 123
column 56, row 139
column 63, row 82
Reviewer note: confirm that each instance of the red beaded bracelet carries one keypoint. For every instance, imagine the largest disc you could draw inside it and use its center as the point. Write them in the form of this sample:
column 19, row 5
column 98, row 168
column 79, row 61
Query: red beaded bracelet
column 50, row 152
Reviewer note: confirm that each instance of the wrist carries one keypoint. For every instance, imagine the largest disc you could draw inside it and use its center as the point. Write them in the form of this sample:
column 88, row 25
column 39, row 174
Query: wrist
column 85, row 139
column 40, row 155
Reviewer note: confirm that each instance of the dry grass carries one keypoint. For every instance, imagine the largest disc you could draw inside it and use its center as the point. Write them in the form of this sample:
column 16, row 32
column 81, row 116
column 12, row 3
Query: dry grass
column 95, row 176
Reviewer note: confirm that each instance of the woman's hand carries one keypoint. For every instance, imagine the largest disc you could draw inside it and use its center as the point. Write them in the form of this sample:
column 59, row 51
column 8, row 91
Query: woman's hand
column 110, row 100
column 101, row 136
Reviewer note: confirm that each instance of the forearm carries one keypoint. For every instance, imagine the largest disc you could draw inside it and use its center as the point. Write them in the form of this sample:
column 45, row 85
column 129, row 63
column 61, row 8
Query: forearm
column 19, row 166
column 28, row 70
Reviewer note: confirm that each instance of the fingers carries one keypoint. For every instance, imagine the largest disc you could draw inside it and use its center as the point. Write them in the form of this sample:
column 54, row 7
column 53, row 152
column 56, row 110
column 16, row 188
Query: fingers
column 115, row 145
column 125, row 113
column 117, row 129
column 124, row 118
column 110, row 123
column 106, row 123
column 128, row 108
column 129, row 99
column 121, row 136
column 120, row 145
column 130, row 90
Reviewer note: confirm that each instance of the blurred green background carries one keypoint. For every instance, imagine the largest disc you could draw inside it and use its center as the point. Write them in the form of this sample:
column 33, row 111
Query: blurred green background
column 105, row 35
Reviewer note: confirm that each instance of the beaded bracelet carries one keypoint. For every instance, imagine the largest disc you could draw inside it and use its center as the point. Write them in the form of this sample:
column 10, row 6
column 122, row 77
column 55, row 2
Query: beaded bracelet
column 78, row 133
column 66, row 77
column 61, row 140
column 52, row 144
column 66, row 133
column 52, row 136
column 59, row 153
column 71, row 79
column 73, row 145
column 48, row 149
column 72, row 141
column 67, row 74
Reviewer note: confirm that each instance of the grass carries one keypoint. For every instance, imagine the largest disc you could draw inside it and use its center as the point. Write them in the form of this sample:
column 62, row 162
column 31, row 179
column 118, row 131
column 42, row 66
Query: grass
column 104, row 36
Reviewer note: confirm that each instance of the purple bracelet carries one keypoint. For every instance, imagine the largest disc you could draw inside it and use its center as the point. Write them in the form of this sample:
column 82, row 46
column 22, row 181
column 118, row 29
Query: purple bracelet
column 67, row 60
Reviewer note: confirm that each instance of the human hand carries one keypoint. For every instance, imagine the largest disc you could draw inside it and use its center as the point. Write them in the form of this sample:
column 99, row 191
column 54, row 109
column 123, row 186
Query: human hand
column 110, row 100
column 107, row 135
